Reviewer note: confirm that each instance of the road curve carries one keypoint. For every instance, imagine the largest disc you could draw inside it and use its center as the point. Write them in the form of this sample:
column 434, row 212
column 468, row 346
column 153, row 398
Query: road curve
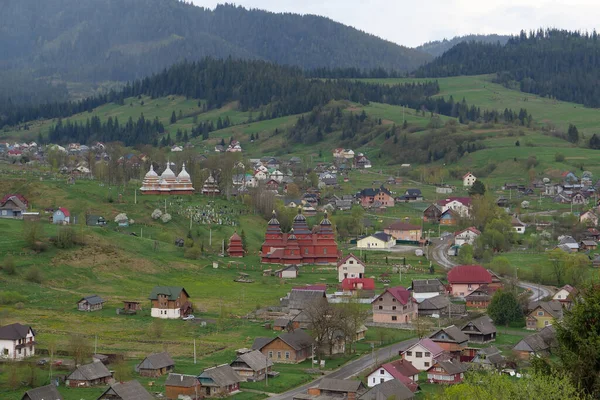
column 352, row 368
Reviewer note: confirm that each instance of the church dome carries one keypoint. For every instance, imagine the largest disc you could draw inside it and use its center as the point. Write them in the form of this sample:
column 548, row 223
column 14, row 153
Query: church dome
column 292, row 236
column 183, row 174
column 167, row 173
column 151, row 173
column 325, row 220
column 274, row 220
column 300, row 216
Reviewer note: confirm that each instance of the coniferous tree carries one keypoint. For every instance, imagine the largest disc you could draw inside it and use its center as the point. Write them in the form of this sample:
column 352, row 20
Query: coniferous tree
column 173, row 117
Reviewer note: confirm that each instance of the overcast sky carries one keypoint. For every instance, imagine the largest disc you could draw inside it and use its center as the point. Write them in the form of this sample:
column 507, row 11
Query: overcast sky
column 414, row 22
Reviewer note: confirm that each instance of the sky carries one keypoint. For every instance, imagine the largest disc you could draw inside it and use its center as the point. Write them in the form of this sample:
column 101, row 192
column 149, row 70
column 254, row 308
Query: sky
column 411, row 23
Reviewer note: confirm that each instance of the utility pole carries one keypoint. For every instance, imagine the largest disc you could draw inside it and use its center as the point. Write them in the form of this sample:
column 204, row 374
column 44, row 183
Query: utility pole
column 96, row 345
column 194, row 350
column 165, row 206
column 209, row 237
column 134, row 196
column 267, row 371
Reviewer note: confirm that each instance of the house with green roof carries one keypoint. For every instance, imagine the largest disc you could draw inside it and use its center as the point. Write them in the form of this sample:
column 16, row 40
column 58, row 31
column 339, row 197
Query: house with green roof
column 170, row 302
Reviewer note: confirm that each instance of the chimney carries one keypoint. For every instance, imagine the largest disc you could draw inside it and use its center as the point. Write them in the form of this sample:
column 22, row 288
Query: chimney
column 181, row 378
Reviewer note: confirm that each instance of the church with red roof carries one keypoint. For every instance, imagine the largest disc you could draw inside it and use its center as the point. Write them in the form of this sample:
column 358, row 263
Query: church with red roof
column 236, row 247
column 301, row 245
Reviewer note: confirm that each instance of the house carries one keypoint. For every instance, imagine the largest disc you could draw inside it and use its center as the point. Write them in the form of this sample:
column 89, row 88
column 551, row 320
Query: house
column 466, row 236
column 463, row 279
column 480, row 297
column 589, row 218
column 219, row 381
column 579, row 199
column 426, row 288
column 61, row 216
column 450, row 338
column 517, row 225
column 402, row 370
column 17, row 341
column 13, row 206
column 155, row 365
column 282, row 324
column 468, row 179
column 290, row 347
column 87, row 375
column 353, row 285
column 542, row 314
column 95, row 220
column 301, row 298
column 565, row 295
column 48, row 392
column 132, row 390
column 411, row 195
column 432, row 213
column 381, row 195
column 378, row 240
column 392, row 389
column 489, row 358
column 449, row 218
column 538, row 344
column 290, row 272
column 568, row 243
column 252, row 366
column 90, row 303
column 447, row 372
column 394, row 306
column 461, row 205
column 422, row 354
column 404, row 231
column 437, row 305
column 361, row 161
column 170, row 302
column 339, row 388
column 586, row 245
column 350, row 267
column 182, row 385
column 480, row 330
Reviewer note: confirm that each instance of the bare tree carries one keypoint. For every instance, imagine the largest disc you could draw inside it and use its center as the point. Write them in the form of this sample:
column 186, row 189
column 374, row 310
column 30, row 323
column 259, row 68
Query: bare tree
column 324, row 321
column 81, row 348
column 353, row 317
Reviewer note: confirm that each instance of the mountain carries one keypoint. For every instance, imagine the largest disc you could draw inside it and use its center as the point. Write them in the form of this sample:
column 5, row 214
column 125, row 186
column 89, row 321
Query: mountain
column 553, row 63
column 119, row 40
column 439, row 47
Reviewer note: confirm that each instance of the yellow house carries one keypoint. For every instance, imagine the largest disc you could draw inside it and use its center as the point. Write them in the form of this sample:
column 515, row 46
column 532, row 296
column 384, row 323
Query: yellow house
column 543, row 314
column 376, row 241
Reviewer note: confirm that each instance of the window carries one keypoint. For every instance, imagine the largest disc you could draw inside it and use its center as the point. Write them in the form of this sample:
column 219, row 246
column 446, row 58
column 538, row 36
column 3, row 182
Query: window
column 351, row 262
column 270, row 354
column 381, row 299
column 546, row 323
column 279, row 355
column 382, row 372
column 345, row 268
column 325, row 250
column 409, row 353
column 394, row 318
column 373, row 379
column 427, row 354
column 393, row 299
column 287, row 355
column 419, row 354
column 540, row 313
column 393, row 307
column 381, row 307
column 426, row 363
column 306, row 251
column 381, row 380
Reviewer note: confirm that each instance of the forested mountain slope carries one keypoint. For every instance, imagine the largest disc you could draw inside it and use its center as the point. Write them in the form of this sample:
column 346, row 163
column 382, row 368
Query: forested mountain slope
column 438, row 47
column 554, row 63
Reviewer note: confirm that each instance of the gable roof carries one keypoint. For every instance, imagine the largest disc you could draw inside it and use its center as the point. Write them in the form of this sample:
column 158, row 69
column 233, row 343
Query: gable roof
column 93, row 299
column 553, row 307
column 340, row 385
column 222, row 375
column 297, row 339
column 172, row 291
column 403, row 226
column 20, row 204
column 14, row 331
column 348, row 257
column 255, row 360
column 450, row 366
column 181, row 380
column 48, row 392
column 426, row 285
column 132, row 390
column 469, row 229
column 483, row 325
column 430, row 345
column 434, row 303
column 390, row 389
column 466, row 201
column 299, row 299
column 400, row 368
column 454, row 334
column 156, row 361
column 532, row 343
column 65, row 211
column 90, row 372
column 20, row 197
column 400, row 293
column 469, row 274
column 261, row 342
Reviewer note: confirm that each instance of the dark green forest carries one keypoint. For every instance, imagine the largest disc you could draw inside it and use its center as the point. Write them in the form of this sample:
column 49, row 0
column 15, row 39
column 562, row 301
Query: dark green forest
column 554, row 63
column 121, row 40
column 438, row 47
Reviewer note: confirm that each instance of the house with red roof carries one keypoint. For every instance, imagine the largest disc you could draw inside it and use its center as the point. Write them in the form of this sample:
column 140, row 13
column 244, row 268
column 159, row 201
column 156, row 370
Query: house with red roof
column 395, row 306
column 350, row 267
column 61, row 216
column 13, row 206
column 353, row 285
column 422, row 354
column 401, row 370
column 466, row 236
column 464, row 279
column 460, row 205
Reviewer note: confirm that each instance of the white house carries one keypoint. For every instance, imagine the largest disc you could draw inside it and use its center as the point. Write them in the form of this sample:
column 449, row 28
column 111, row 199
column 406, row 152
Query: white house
column 469, row 179
column 564, row 295
column 17, row 341
column 467, row 236
column 260, row 175
column 378, row 240
column 518, row 226
column 277, row 175
column 289, row 272
column 401, row 370
column 589, row 218
column 422, row 354
column 460, row 205
column 350, row 267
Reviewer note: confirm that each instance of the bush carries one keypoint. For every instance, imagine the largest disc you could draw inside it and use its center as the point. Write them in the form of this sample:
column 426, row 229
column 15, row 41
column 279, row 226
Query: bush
column 9, row 297
column 165, row 218
column 559, row 157
column 156, row 214
column 34, row 275
column 65, row 238
column 192, row 253
column 8, row 265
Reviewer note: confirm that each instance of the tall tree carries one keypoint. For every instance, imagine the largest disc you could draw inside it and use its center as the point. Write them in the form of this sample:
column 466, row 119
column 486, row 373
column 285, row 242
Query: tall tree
column 505, row 308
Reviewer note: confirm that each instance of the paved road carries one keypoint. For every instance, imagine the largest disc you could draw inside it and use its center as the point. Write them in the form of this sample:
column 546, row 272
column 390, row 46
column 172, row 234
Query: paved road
column 353, row 368
column 440, row 255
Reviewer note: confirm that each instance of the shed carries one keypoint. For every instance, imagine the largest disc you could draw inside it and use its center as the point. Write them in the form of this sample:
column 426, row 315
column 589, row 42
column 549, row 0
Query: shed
column 90, row 303
column 156, row 365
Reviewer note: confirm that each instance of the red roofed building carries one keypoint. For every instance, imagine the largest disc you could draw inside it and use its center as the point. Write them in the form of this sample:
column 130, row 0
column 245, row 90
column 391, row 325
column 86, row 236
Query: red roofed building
column 394, row 306
column 301, row 245
column 18, row 196
column 236, row 248
column 401, row 370
column 464, row 279
column 460, row 205
column 354, row 284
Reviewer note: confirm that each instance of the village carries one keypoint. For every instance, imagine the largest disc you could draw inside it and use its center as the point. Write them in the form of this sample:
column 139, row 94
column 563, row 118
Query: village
column 343, row 281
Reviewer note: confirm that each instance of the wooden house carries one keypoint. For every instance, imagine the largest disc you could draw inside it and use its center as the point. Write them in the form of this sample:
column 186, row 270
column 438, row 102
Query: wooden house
column 489, row 358
column 132, row 306
column 48, row 392
column 182, row 385
column 338, row 388
column 132, row 390
column 252, row 366
column 90, row 303
column 432, row 213
column 449, row 218
column 586, row 245
column 392, row 389
column 480, row 297
column 87, row 375
column 156, row 365
column 480, row 330
column 170, row 302
column 450, row 338
column 426, row 288
column 281, row 324
column 446, row 372
column 290, row 347
column 538, row 344
column 13, row 206
column 219, row 381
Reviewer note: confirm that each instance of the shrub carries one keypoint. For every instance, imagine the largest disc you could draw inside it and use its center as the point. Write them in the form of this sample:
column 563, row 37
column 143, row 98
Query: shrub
column 559, row 157
column 34, row 275
column 192, row 253
column 156, row 214
column 65, row 238
column 10, row 297
column 8, row 266
column 165, row 218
